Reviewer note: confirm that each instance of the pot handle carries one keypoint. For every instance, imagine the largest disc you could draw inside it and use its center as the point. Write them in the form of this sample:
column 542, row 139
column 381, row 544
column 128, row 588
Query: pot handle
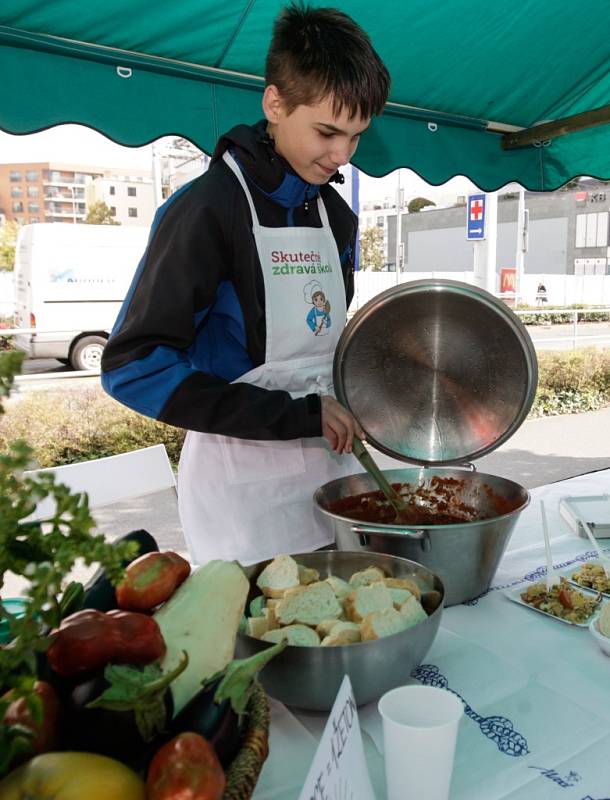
column 422, row 537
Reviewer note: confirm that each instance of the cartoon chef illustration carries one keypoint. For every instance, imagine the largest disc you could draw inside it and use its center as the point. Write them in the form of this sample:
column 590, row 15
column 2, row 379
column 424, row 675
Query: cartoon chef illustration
column 318, row 318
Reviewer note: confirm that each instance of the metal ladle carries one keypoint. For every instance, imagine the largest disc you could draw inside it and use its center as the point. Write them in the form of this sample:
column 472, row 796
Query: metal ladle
column 368, row 462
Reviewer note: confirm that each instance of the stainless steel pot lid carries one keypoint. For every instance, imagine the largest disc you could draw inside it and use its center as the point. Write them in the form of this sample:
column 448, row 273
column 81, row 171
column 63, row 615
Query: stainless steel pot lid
column 436, row 371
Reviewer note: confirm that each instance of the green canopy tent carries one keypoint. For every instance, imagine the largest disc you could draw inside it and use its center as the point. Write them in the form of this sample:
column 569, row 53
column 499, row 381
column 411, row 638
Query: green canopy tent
column 472, row 83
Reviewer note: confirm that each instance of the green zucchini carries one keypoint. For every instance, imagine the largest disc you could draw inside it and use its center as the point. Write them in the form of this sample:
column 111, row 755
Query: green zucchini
column 202, row 618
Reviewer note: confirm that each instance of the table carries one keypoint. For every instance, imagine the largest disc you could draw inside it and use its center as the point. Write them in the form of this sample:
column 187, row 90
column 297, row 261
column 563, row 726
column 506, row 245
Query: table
column 536, row 691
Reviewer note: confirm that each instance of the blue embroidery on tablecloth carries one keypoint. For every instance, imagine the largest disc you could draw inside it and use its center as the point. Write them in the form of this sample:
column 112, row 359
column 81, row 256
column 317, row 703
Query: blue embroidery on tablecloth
column 537, row 574
column 499, row 729
column 566, row 782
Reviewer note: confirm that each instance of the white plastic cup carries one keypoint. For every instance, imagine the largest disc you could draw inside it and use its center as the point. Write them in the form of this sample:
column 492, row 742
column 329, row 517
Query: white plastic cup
column 420, row 725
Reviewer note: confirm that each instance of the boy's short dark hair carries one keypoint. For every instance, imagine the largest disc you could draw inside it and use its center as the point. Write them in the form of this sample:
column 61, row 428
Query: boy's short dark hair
column 321, row 52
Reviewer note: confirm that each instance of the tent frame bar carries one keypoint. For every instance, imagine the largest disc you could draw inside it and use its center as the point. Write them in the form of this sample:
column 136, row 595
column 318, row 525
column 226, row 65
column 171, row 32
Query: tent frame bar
column 546, row 131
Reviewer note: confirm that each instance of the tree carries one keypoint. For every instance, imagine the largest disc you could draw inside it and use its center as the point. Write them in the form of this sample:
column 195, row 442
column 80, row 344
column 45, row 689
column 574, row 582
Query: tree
column 100, row 214
column 8, row 243
column 371, row 249
column 418, row 203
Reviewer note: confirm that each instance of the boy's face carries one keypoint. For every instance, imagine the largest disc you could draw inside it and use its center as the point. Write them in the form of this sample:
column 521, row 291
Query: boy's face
column 314, row 140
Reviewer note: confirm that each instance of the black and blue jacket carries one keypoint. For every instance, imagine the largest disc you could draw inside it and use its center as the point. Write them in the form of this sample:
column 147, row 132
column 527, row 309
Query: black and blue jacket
column 194, row 317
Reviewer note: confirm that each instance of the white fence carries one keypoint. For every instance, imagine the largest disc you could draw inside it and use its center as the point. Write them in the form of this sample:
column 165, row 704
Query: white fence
column 561, row 290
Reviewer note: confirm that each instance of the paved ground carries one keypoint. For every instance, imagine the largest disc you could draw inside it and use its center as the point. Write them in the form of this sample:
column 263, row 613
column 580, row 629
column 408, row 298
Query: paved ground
column 542, row 451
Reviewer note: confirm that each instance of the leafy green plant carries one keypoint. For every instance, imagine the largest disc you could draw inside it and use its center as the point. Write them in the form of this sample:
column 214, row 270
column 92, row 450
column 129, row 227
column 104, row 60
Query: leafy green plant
column 44, row 553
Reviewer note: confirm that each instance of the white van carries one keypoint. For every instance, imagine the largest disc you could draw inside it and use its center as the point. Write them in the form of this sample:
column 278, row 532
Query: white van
column 70, row 281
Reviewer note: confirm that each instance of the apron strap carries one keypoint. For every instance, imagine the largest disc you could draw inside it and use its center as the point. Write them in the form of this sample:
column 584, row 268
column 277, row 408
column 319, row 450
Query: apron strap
column 228, row 158
column 232, row 163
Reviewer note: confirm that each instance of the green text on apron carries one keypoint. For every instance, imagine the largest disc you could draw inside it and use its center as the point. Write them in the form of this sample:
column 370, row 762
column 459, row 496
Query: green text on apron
column 250, row 500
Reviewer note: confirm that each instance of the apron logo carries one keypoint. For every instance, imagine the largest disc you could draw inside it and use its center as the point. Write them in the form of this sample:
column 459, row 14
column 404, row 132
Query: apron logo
column 318, row 319
column 285, row 262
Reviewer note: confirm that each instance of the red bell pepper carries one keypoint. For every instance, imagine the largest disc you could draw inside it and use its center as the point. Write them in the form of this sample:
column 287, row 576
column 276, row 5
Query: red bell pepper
column 150, row 580
column 90, row 639
column 187, row 768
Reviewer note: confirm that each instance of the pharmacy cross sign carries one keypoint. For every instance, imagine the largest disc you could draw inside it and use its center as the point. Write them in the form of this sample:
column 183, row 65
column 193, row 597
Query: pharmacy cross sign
column 475, row 217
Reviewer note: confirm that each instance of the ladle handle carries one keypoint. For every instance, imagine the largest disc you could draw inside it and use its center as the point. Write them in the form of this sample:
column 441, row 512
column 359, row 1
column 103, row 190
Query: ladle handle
column 367, row 461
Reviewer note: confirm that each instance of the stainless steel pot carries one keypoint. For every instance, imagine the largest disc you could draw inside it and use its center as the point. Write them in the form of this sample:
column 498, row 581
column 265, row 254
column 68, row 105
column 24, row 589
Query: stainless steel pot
column 309, row 677
column 465, row 555
column 437, row 373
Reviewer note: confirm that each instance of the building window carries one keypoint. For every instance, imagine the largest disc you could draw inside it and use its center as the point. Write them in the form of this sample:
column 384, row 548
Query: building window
column 113, row 211
column 380, row 222
column 132, row 212
column 15, row 176
column 54, row 176
column 33, row 220
column 79, row 177
column 20, row 220
column 33, row 208
column 16, row 191
column 112, row 190
column 131, row 192
column 32, row 191
column 32, row 175
column 17, row 206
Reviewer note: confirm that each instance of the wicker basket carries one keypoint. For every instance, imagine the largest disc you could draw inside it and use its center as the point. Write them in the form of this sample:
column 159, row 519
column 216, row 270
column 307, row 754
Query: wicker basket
column 242, row 774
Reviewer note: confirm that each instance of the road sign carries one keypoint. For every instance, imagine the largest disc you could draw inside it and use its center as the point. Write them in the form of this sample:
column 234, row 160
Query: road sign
column 475, row 216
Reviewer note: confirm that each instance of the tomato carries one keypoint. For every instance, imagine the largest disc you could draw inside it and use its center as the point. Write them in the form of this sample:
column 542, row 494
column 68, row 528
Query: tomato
column 72, row 776
column 186, row 768
column 46, row 730
column 150, row 580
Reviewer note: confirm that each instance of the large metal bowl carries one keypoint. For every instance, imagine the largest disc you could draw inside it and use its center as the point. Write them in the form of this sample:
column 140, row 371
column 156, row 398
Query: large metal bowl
column 465, row 555
column 309, row 677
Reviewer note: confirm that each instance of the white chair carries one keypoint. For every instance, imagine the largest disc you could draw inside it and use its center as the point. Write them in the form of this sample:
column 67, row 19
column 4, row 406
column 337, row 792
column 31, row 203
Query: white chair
column 112, row 479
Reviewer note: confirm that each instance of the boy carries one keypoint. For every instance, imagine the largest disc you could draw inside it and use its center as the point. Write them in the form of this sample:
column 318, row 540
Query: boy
column 213, row 334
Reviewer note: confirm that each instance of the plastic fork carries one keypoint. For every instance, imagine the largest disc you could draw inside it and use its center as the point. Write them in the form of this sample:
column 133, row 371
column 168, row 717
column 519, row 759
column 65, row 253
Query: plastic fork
column 603, row 560
column 551, row 580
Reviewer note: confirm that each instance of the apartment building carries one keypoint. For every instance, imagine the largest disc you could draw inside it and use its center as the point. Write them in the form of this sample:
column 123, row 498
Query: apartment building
column 44, row 192
column 128, row 193
column 52, row 192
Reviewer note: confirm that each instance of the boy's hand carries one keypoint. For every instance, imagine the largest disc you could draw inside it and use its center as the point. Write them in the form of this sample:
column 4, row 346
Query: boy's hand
column 338, row 425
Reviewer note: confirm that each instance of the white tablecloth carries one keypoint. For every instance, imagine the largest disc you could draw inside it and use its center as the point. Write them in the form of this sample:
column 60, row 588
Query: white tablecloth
column 536, row 691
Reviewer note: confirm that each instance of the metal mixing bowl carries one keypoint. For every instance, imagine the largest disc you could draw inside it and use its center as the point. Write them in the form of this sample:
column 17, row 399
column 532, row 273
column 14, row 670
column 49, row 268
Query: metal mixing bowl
column 309, row 677
column 464, row 555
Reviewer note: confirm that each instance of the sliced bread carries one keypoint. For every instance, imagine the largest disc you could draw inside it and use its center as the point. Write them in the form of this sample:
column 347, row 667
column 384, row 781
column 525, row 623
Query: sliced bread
column 257, row 626
column 299, row 635
column 403, row 583
column 278, row 576
column 366, row 599
column 307, row 575
column 412, row 612
column 382, row 623
column 399, row 596
column 366, row 576
column 308, row 604
column 342, row 633
column 340, row 587
column 326, row 626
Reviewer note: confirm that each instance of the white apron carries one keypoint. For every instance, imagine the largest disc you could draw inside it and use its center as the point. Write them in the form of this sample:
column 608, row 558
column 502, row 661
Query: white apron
column 251, row 500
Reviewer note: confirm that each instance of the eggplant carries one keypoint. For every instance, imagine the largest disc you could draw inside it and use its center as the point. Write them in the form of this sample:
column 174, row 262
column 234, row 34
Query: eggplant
column 100, row 730
column 116, row 733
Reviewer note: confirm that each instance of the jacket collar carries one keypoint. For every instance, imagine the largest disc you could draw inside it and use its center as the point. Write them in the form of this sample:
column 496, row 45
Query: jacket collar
column 253, row 149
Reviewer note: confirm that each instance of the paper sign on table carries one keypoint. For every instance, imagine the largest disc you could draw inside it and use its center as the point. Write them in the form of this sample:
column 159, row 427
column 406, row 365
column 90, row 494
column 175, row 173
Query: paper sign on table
column 339, row 770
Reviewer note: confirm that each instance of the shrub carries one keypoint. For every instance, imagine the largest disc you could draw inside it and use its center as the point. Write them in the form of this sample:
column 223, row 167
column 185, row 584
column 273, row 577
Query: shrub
column 572, row 381
column 68, row 426
column 64, row 427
